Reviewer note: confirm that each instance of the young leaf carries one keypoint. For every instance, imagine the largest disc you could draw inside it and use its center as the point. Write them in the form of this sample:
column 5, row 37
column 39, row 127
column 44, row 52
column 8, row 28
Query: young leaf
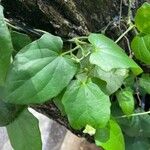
column 108, row 55
column 19, row 40
column 145, row 82
column 110, row 137
column 38, row 74
column 5, row 48
column 86, row 104
column 24, row 133
column 89, row 130
column 142, row 18
column 126, row 100
column 141, row 48
column 113, row 78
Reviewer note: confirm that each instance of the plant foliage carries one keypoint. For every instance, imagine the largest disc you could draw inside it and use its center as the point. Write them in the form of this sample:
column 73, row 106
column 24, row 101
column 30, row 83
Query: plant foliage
column 94, row 84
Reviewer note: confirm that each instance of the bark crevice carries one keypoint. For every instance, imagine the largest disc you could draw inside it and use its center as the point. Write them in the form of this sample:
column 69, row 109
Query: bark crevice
column 66, row 18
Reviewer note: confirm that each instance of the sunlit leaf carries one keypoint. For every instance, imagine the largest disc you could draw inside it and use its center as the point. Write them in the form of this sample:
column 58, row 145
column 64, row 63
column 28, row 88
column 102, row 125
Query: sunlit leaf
column 110, row 137
column 108, row 55
column 126, row 101
column 142, row 18
column 86, row 104
column 141, row 48
column 38, row 74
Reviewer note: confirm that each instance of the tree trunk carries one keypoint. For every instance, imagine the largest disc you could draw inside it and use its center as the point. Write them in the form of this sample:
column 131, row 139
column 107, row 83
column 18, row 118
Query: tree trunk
column 66, row 18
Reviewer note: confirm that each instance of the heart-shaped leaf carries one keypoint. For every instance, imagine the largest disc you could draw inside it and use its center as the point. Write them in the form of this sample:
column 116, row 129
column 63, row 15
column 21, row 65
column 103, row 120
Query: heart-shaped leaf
column 86, row 104
column 38, row 74
column 142, row 18
column 126, row 100
column 141, row 48
column 108, row 55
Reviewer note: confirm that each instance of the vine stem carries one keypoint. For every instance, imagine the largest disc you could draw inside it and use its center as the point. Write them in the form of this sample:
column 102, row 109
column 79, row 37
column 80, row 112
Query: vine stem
column 71, row 50
column 129, row 13
column 42, row 31
column 35, row 31
column 78, row 38
column 84, row 56
column 132, row 115
column 10, row 25
column 123, row 34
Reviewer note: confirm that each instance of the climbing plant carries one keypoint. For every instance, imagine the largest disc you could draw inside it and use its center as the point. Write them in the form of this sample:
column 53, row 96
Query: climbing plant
column 99, row 88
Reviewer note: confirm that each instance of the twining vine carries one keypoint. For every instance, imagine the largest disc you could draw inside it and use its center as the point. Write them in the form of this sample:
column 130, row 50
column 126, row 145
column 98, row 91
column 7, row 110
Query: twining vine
column 93, row 83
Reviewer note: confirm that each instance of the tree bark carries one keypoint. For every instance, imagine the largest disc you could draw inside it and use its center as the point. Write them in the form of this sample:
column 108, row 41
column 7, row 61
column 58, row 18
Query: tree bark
column 66, row 18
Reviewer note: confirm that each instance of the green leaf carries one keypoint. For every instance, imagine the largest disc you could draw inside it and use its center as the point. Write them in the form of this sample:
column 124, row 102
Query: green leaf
column 116, row 110
column 8, row 112
column 113, row 78
column 47, row 41
column 130, row 81
column 142, row 18
column 101, row 84
column 24, row 133
column 111, row 137
column 145, row 82
column 141, row 48
column 126, row 100
column 86, row 104
column 38, row 74
column 58, row 102
column 137, row 143
column 108, row 55
column 5, row 48
column 137, row 126
column 19, row 40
